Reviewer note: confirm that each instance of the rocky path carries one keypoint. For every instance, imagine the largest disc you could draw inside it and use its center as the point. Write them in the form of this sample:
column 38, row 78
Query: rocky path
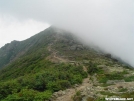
column 54, row 57
column 90, row 86
column 68, row 94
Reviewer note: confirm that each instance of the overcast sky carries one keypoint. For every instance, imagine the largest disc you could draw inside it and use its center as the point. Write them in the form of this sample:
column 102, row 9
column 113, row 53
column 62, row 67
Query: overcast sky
column 106, row 23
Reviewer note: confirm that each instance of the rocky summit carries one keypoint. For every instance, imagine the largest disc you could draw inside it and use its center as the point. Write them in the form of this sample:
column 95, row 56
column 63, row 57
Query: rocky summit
column 55, row 65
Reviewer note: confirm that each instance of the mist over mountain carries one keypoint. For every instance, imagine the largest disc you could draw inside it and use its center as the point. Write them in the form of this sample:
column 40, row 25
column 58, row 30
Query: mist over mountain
column 107, row 24
column 14, row 50
column 87, row 53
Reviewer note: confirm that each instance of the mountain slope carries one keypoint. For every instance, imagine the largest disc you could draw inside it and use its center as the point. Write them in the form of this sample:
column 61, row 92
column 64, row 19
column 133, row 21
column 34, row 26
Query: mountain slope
column 54, row 60
column 33, row 71
column 15, row 49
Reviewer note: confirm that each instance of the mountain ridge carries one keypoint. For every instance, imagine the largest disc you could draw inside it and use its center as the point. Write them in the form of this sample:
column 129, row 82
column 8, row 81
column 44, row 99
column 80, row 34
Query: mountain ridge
column 16, row 46
column 11, row 51
column 54, row 64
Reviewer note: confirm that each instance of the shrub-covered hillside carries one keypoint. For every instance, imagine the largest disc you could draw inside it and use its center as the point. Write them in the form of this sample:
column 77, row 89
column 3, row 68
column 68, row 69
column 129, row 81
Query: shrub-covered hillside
column 54, row 64
column 29, row 74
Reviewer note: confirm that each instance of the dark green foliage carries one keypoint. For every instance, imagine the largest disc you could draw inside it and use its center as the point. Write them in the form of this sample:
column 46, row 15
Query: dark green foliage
column 108, row 93
column 100, row 99
column 29, row 95
column 76, row 79
column 92, row 68
column 129, row 79
column 8, row 52
column 112, row 76
column 58, row 85
column 46, row 76
column 123, row 90
column 103, row 79
column 77, row 96
column 128, row 95
column 9, row 87
column 17, row 49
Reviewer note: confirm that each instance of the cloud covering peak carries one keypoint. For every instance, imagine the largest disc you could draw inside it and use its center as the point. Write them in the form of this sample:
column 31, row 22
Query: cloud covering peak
column 108, row 24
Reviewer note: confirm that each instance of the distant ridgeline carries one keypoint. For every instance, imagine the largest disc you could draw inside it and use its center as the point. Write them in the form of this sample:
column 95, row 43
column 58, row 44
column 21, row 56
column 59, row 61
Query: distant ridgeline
column 16, row 49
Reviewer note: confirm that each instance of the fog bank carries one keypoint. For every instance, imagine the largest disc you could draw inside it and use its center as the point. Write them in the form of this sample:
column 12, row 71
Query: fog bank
column 108, row 24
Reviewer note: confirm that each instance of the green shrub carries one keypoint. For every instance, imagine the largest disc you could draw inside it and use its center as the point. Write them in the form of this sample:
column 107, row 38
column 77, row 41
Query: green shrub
column 92, row 68
column 77, row 96
column 58, row 85
column 53, row 86
column 123, row 90
column 9, row 87
column 113, row 76
column 129, row 79
column 103, row 79
column 29, row 95
column 43, row 96
column 108, row 93
column 48, row 76
column 128, row 95
column 77, row 79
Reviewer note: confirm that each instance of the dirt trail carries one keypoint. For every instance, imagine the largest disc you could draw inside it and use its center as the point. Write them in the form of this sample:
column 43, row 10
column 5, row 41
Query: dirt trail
column 54, row 57
column 72, row 91
column 69, row 93
column 85, row 69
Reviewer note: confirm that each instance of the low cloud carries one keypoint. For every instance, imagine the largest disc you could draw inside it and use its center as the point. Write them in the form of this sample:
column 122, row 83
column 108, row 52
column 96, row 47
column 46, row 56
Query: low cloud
column 13, row 29
column 108, row 24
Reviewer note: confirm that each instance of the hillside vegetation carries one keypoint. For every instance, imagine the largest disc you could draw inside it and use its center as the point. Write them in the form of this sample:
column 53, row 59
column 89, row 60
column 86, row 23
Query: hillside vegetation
column 52, row 61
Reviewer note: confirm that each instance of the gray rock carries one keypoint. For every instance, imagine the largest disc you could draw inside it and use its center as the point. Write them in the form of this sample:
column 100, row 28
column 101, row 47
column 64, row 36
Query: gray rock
column 80, row 47
column 55, row 95
column 73, row 47
column 76, row 85
column 114, row 81
column 77, row 47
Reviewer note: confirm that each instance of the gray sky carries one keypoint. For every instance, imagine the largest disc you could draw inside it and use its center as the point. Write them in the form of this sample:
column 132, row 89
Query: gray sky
column 106, row 23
